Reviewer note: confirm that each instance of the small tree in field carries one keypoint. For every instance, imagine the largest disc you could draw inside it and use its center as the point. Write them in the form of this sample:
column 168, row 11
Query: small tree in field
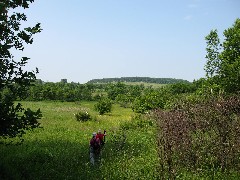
column 14, row 80
column 103, row 106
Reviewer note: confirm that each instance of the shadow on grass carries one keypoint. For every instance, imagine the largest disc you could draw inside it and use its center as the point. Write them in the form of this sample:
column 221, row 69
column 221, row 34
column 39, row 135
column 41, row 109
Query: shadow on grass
column 61, row 159
column 46, row 160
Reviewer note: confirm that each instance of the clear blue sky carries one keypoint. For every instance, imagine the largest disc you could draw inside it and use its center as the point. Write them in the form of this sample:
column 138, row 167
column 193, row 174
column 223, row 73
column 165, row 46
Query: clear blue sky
column 88, row 39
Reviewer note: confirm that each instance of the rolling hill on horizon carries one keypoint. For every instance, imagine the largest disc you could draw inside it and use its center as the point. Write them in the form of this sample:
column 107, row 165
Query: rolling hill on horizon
column 139, row 79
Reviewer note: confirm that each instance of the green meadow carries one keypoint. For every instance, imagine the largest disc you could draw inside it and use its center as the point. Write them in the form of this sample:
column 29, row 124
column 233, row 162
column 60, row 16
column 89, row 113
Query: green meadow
column 59, row 149
column 145, row 84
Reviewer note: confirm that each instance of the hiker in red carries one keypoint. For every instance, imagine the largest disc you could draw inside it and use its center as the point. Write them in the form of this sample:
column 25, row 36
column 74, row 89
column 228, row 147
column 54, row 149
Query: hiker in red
column 94, row 148
column 101, row 137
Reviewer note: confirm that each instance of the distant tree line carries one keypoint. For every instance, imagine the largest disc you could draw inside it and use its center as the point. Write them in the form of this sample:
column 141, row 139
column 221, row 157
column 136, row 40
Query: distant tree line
column 139, row 79
column 118, row 92
column 62, row 91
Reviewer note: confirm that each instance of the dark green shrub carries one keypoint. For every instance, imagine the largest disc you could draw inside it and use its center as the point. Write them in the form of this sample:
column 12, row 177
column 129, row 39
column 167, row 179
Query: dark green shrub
column 82, row 116
column 103, row 106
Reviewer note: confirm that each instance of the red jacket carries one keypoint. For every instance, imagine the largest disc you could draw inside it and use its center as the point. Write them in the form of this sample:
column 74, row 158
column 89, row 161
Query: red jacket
column 100, row 136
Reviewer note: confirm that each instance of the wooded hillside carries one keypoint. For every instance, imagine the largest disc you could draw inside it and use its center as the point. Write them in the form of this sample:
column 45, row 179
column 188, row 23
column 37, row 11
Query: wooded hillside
column 139, row 79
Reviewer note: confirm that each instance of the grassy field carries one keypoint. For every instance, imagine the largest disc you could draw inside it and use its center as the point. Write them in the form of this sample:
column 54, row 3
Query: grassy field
column 60, row 148
column 153, row 85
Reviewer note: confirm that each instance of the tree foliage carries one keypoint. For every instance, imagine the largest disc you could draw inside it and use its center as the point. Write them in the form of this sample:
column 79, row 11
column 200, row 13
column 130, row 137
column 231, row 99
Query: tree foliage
column 223, row 59
column 113, row 90
column 60, row 91
column 14, row 80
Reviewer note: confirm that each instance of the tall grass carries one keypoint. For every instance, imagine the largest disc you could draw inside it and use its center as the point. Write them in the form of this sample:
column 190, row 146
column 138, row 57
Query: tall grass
column 60, row 148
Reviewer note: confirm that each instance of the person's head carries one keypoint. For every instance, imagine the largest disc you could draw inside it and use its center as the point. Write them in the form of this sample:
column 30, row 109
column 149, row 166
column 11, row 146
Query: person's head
column 94, row 134
column 99, row 131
